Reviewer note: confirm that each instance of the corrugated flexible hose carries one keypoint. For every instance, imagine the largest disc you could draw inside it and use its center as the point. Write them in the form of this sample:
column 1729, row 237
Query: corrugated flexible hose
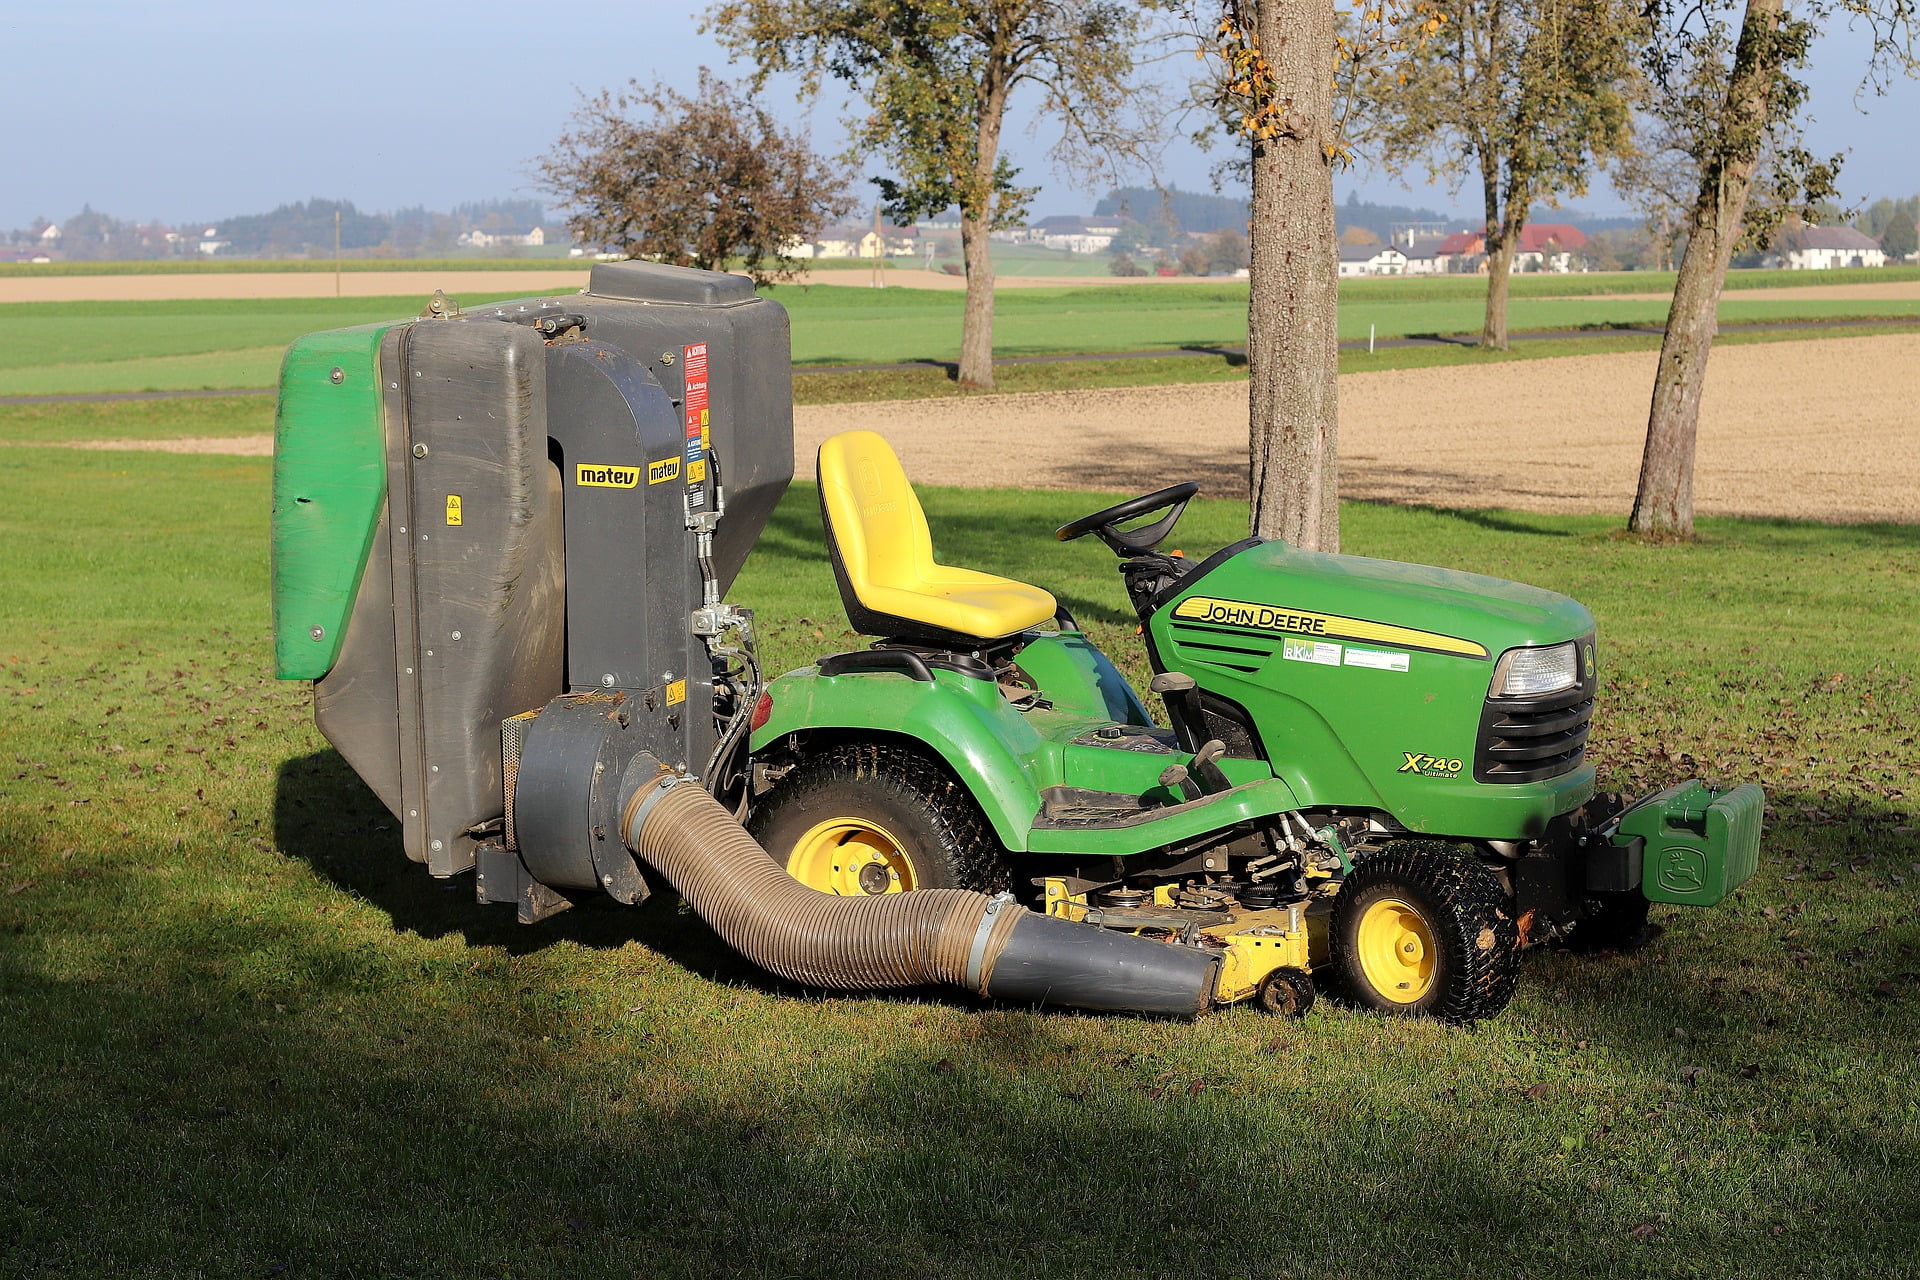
column 988, row 946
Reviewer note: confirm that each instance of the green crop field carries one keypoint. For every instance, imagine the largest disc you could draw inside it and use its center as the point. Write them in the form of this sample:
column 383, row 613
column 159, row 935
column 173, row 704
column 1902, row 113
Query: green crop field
column 89, row 347
column 243, row 1036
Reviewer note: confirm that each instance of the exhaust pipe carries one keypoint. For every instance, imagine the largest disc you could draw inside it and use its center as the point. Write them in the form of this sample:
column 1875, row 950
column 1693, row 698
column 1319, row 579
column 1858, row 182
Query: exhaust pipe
column 987, row 946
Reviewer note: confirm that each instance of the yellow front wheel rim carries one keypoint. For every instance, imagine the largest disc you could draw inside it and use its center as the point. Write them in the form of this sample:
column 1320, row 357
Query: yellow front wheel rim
column 1396, row 949
column 851, row 857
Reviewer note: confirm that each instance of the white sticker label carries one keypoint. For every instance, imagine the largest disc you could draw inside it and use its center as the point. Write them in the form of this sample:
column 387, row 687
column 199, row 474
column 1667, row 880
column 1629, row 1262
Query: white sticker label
column 1377, row 659
column 1327, row 655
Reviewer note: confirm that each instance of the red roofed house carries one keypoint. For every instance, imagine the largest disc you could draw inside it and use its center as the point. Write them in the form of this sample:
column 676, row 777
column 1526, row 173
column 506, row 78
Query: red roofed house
column 1547, row 246
column 1462, row 251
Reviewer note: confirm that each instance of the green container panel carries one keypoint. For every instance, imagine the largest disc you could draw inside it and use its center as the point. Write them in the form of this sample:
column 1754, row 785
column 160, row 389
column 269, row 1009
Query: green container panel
column 1701, row 844
column 329, row 487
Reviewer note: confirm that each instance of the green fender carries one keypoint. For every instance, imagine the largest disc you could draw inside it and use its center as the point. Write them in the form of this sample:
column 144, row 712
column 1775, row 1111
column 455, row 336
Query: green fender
column 1007, row 757
column 965, row 721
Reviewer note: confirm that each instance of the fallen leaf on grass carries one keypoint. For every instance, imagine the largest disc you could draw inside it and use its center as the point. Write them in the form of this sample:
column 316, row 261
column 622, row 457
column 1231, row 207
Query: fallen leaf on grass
column 1537, row 1091
column 943, row 1066
column 1644, row 1232
column 1749, row 1070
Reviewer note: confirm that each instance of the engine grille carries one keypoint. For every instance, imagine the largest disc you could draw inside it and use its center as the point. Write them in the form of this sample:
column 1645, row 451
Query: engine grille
column 1527, row 739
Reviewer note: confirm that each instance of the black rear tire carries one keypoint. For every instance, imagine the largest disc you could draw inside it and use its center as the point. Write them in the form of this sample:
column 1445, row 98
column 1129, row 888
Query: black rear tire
column 877, row 817
column 1425, row 929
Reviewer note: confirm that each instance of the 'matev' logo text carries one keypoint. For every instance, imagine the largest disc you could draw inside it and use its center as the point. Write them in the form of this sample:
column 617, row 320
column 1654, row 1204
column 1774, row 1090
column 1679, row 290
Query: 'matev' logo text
column 598, row 477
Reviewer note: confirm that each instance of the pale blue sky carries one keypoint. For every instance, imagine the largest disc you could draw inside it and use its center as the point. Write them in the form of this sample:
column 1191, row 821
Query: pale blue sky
column 201, row 111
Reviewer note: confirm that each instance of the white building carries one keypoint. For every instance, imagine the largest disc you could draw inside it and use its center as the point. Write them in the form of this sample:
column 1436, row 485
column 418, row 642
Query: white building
column 1075, row 234
column 477, row 239
column 1824, row 248
column 1372, row 260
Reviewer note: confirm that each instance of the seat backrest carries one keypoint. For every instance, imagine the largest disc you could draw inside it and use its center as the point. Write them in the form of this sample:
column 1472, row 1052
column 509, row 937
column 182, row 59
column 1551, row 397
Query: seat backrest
column 874, row 521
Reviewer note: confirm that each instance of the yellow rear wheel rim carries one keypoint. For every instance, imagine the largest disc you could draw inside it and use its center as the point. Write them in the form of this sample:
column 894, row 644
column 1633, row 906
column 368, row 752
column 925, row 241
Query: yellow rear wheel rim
column 851, row 857
column 1396, row 950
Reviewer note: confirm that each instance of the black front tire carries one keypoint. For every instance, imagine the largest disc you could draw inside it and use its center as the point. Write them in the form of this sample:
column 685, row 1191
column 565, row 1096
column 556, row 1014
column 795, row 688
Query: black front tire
column 904, row 821
column 1425, row 929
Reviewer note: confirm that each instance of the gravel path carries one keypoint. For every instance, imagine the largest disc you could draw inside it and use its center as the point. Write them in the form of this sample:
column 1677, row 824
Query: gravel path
column 1823, row 430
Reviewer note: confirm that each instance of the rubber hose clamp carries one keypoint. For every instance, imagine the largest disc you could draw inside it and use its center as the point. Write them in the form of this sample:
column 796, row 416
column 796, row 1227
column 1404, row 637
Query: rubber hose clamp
column 977, row 953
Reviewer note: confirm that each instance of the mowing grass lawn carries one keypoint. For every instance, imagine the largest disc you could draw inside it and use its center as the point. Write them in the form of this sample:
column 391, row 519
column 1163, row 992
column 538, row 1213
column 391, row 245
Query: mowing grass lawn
column 243, row 1036
column 84, row 347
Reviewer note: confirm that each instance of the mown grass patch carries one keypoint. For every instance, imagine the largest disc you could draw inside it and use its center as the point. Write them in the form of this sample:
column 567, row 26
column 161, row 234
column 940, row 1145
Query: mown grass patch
column 82, row 347
column 71, row 421
column 244, row 1036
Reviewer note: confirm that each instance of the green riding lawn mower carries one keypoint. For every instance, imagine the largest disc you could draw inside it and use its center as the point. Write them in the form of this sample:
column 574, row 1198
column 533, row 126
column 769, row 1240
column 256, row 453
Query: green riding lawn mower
column 502, row 545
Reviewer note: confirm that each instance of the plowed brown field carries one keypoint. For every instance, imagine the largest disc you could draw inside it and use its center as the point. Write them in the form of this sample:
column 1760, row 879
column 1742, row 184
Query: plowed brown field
column 1826, row 430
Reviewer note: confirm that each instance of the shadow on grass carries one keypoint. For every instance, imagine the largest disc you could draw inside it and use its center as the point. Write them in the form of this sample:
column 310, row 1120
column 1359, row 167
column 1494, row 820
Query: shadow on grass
column 1495, row 520
column 463, row 1113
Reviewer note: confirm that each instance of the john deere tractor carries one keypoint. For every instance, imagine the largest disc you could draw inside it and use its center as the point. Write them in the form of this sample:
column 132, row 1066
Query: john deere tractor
column 502, row 547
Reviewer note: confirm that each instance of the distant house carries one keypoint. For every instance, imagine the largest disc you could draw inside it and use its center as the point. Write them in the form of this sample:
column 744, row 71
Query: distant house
column 478, row 239
column 1461, row 251
column 1423, row 254
column 1823, row 248
column 948, row 219
column 1075, row 234
column 1372, row 260
column 1548, row 246
column 866, row 242
column 1544, row 246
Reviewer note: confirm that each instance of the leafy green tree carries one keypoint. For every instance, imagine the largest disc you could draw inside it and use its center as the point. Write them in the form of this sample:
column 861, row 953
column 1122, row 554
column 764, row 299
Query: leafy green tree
column 1901, row 239
column 1528, row 96
column 1730, row 100
column 937, row 77
column 746, row 189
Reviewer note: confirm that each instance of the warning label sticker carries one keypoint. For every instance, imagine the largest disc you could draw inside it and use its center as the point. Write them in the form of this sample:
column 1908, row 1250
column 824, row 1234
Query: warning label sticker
column 1327, row 655
column 698, row 419
column 699, row 416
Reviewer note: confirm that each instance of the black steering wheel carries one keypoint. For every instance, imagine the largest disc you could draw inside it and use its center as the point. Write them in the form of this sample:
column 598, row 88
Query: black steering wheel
column 1129, row 542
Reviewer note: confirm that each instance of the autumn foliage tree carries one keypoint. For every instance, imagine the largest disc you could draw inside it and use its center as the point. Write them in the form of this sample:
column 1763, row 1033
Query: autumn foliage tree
column 1730, row 101
column 936, row 77
column 697, row 181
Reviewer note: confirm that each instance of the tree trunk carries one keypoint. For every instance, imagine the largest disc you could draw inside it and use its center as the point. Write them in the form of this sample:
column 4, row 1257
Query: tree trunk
column 1663, row 504
column 1293, row 351
column 1493, row 330
column 1502, row 239
column 976, row 325
column 976, row 220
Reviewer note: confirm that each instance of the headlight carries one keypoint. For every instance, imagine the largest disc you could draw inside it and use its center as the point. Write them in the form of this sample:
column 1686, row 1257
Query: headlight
column 1528, row 673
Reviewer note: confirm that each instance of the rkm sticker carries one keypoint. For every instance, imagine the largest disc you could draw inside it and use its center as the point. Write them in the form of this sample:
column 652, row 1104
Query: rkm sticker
column 1430, row 766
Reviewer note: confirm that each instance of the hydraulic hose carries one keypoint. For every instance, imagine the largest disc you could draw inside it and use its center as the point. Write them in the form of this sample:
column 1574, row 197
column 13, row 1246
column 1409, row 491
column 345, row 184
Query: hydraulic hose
column 987, row 946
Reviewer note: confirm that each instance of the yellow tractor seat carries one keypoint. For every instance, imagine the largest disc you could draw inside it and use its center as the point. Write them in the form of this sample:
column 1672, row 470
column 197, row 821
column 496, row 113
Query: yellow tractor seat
column 883, row 557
